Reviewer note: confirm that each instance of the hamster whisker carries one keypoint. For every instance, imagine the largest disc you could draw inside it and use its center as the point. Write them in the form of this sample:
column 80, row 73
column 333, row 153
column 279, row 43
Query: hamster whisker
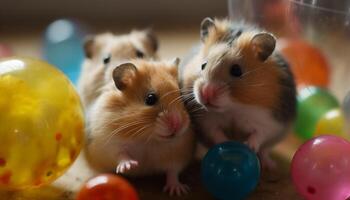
column 168, row 93
column 127, row 126
column 254, row 70
column 176, row 100
column 194, row 111
column 118, row 120
column 141, row 130
column 124, row 127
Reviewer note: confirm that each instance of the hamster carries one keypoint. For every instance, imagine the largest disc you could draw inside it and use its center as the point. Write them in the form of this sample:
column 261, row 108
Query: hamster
column 139, row 124
column 105, row 51
column 242, row 87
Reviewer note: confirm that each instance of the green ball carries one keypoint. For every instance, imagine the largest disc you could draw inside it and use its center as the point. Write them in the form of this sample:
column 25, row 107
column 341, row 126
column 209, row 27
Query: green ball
column 313, row 103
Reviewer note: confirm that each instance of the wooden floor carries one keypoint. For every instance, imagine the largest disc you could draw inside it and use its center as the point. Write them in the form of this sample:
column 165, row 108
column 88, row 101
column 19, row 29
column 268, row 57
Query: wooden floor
column 275, row 185
column 175, row 41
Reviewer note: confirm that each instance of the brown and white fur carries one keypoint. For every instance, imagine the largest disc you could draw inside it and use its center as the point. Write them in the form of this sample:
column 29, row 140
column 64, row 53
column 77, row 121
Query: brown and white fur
column 139, row 124
column 105, row 51
column 245, row 90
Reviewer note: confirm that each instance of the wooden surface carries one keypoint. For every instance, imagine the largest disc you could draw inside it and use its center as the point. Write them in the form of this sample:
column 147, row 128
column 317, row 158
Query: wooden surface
column 274, row 185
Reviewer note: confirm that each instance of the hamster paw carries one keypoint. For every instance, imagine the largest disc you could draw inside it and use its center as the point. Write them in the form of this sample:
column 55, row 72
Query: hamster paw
column 267, row 162
column 176, row 188
column 126, row 165
column 253, row 143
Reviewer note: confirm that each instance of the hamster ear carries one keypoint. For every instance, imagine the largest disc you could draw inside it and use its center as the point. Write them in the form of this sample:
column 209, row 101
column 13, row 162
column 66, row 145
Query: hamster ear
column 152, row 38
column 263, row 45
column 93, row 44
column 123, row 74
column 173, row 66
column 175, row 61
column 89, row 46
column 206, row 24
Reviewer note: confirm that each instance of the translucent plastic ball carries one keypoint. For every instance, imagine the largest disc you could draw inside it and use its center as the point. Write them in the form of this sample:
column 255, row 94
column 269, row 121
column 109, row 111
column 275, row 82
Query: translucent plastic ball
column 313, row 103
column 63, row 47
column 308, row 64
column 321, row 169
column 333, row 122
column 41, row 123
column 107, row 187
column 230, row 171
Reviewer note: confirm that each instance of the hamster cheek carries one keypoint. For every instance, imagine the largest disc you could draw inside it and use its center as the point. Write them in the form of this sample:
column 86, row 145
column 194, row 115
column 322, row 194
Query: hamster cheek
column 198, row 84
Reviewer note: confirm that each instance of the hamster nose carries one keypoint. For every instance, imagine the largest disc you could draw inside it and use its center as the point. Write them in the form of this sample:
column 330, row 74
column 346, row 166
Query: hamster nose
column 208, row 93
column 174, row 122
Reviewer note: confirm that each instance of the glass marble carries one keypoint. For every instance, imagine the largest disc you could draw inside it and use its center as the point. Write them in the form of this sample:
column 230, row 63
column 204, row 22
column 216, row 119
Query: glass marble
column 230, row 171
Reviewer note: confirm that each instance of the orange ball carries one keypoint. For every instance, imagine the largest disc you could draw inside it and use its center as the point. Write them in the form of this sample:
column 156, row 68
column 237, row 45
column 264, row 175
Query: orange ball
column 308, row 64
column 107, row 187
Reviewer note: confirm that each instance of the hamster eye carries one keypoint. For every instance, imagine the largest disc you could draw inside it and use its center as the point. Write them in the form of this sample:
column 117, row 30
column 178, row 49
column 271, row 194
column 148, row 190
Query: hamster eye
column 204, row 65
column 151, row 99
column 139, row 54
column 107, row 59
column 236, row 70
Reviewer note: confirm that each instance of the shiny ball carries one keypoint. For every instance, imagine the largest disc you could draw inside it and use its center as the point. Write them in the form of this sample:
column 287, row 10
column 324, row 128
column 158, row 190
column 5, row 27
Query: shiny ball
column 313, row 103
column 332, row 123
column 107, row 187
column 63, row 47
column 230, row 171
column 41, row 123
column 321, row 169
column 308, row 64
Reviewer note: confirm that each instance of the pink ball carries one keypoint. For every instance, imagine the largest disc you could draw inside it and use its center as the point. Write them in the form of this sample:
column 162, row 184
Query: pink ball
column 321, row 169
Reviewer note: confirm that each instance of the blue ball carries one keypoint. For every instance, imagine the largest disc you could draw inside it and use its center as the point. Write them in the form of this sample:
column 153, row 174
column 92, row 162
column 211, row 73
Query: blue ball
column 63, row 47
column 230, row 171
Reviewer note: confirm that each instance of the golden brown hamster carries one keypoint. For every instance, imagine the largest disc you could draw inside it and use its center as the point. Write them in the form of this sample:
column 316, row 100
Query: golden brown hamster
column 243, row 87
column 104, row 51
column 139, row 124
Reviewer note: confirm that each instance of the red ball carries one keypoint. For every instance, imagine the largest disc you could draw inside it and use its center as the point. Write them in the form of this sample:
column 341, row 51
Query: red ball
column 107, row 187
column 308, row 64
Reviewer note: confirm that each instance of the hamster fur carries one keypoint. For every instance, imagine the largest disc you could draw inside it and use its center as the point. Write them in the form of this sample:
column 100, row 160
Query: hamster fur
column 244, row 88
column 105, row 51
column 139, row 124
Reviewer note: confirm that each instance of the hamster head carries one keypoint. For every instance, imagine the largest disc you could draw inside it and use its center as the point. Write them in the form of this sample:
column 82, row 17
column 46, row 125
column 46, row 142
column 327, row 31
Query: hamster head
column 239, row 71
column 106, row 48
column 147, row 101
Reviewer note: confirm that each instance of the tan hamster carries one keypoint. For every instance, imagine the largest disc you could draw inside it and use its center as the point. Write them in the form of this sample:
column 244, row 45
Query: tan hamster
column 105, row 51
column 245, row 88
column 139, row 124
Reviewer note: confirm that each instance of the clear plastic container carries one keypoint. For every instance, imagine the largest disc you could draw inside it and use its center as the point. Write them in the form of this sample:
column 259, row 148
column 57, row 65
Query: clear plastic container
column 324, row 24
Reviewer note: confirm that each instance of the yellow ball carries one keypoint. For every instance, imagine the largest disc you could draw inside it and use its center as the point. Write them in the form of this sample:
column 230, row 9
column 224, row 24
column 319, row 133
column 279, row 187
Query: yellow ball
column 332, row 123
column 41, row 123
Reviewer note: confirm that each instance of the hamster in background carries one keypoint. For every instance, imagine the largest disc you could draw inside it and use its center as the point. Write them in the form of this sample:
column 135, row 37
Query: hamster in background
column 105, row 51
column 139, row 124
column 243, row 87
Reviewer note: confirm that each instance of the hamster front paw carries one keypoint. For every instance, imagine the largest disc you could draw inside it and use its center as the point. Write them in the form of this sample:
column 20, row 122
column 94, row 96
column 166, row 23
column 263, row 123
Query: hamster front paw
column 126, row 165
column 253, row 143
column 266, row 161
column 176, row 188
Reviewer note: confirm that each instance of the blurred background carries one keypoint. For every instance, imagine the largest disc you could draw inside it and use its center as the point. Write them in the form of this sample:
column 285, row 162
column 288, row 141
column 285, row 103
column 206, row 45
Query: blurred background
column 22, row 23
